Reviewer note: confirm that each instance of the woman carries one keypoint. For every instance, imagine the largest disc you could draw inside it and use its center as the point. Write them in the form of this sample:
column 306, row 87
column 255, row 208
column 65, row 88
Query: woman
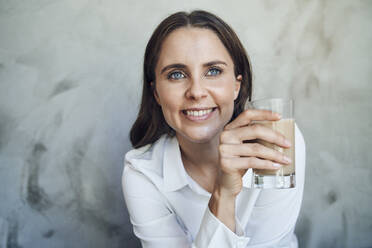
column 185, row 183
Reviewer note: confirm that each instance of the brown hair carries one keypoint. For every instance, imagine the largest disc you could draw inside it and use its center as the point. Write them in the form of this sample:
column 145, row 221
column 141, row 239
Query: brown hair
column 150, row 123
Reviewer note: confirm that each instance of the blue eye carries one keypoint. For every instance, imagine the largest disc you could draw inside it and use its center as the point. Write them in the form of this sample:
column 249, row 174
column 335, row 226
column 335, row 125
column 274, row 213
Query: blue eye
column 213, row 72
column 176, row 75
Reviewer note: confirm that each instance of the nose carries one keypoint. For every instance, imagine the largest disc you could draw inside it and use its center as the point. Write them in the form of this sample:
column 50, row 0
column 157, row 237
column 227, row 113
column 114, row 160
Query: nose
column 196, row 90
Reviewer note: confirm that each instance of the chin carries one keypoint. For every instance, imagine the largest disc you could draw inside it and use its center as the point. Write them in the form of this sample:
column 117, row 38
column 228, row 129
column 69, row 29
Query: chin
column 199, row 136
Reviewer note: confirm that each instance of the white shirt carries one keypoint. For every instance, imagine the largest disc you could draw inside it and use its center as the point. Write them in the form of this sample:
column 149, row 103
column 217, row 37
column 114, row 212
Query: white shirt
column 168, row 208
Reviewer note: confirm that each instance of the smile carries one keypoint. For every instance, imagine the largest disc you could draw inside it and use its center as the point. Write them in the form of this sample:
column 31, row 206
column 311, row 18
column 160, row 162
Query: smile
column 198, row 114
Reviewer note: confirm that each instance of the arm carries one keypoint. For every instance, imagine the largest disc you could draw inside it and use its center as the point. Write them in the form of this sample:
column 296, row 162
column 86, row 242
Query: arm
column 156, row 224
column 222, row 205
column 237, row 156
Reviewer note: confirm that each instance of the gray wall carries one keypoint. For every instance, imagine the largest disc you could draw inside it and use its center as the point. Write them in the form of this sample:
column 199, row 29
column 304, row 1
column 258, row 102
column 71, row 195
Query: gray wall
column 70, row 78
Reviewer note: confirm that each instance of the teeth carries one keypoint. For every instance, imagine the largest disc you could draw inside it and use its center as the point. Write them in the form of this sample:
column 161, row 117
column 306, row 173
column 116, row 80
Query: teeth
column 198, row 113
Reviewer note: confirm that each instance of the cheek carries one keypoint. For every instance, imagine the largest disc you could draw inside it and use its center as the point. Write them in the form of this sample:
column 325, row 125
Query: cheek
column 169, row 104
column 226, row 96
column 226, row 92
column 166, row 96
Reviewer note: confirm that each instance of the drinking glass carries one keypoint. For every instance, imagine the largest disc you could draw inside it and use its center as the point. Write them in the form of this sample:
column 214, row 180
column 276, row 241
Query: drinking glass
column 285, row 176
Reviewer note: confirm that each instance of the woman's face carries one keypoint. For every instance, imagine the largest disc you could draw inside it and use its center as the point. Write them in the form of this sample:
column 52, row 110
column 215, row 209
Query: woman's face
column 195, row 84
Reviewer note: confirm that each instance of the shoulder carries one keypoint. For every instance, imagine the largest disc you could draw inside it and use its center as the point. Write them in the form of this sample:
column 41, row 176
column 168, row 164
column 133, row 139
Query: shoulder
column 144, row 166
column 142, row 157
column 142, row 182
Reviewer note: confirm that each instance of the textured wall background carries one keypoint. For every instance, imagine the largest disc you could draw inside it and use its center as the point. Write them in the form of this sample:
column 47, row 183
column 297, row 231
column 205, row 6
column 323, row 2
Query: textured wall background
column 70, row 78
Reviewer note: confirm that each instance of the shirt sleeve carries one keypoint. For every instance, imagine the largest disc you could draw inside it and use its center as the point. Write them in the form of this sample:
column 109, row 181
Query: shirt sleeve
column 157, row 226
column 213, row 233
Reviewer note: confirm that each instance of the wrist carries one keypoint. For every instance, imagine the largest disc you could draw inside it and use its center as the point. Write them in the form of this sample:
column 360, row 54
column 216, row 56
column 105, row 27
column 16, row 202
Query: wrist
column 221, row 193
column 222, row 205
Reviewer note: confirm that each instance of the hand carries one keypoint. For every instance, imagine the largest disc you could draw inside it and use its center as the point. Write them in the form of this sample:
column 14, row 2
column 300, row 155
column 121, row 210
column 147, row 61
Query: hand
column 236, row 156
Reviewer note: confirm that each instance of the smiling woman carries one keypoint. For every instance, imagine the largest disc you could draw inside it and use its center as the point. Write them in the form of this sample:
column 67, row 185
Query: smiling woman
column 150, row 123
column 185, row 183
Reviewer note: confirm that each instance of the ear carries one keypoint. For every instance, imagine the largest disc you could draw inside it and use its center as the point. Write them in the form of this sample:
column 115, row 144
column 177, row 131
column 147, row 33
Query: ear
column 155, row 92
column 238, row 82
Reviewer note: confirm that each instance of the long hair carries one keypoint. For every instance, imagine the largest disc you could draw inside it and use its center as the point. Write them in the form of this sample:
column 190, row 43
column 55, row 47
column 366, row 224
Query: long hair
column 150, row 123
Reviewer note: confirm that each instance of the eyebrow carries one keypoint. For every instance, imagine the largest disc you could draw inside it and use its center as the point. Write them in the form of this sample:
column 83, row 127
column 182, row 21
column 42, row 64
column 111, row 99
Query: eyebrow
column 183, row 66
column 214, row 62
column 171, row 66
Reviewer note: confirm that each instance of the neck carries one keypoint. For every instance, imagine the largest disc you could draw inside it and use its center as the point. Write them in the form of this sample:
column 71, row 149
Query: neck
column 200, row 160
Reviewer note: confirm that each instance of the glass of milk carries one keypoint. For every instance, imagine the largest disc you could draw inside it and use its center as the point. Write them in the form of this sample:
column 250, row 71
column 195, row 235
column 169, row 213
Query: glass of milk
column 283, row 177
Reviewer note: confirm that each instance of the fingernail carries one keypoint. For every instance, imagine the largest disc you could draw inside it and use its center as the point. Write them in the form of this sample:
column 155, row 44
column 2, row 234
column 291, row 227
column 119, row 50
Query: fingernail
column 278, row 115
column 277, row 165
column 287, row 160
column 287, row 142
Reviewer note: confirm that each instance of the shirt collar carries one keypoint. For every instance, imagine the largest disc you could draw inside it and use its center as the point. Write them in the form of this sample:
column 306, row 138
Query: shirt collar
column 173, row 170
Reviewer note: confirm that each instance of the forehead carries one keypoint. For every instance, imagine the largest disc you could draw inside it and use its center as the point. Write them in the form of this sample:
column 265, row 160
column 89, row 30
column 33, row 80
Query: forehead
column 191, row 46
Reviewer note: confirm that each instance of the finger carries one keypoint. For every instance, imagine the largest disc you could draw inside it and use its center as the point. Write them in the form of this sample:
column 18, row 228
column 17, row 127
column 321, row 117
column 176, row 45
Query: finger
column 235, row 163
column 253, row 150
column 255, row 131
column 249, row 115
